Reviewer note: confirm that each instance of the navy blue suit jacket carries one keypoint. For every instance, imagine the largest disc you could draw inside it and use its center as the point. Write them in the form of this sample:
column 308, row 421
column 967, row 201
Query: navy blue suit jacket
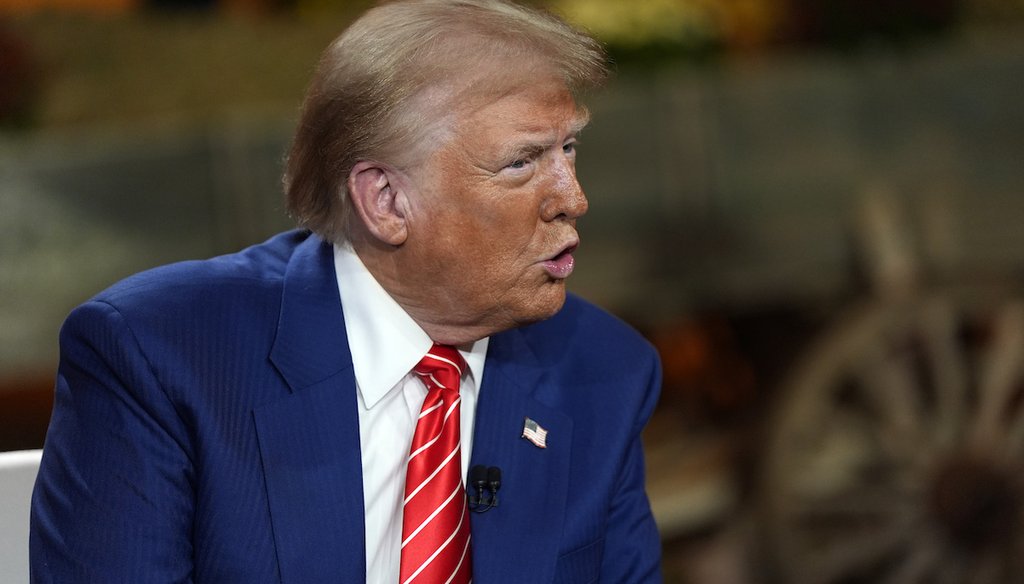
column 205, row 430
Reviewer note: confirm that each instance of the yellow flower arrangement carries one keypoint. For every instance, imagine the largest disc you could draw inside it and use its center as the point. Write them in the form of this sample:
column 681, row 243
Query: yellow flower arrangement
column 633, row 25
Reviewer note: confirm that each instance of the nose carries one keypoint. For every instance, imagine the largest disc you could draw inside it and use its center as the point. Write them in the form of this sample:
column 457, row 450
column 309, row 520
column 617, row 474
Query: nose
column 566, row 200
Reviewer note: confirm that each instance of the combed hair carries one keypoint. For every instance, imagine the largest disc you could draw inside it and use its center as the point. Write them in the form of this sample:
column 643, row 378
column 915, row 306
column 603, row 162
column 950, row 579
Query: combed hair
column 366, row 98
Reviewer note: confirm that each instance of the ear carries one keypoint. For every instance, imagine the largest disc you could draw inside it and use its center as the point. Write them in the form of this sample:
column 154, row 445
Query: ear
column 378, row 201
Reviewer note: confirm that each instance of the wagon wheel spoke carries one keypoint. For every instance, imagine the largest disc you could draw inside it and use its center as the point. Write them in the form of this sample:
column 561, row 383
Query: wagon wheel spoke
column 857, row 551
column 948, row 370
column 853, row 502
column 842, row 456
column 886, row 382
column 999, row 378
column 857, row 526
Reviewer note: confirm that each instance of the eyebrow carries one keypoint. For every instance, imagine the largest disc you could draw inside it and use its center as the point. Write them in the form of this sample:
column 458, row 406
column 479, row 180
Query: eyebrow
column 515, row 151
column 581, row 121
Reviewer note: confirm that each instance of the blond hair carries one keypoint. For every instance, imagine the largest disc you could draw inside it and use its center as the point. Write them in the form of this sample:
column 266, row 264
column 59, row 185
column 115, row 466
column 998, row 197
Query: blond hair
column 367, row 97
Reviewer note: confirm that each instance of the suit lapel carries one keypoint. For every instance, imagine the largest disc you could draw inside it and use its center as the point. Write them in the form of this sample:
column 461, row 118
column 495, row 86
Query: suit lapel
column 309, row 445
column 518, row 540
column 309, row 441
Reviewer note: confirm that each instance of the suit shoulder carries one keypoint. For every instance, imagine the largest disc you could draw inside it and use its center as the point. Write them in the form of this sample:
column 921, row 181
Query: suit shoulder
column 257, row 267
column 586, row 327
column 193, row 304
column 586, row 352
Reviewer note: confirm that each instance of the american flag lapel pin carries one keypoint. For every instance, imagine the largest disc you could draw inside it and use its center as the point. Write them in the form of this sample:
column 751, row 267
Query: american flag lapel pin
column 533, row 432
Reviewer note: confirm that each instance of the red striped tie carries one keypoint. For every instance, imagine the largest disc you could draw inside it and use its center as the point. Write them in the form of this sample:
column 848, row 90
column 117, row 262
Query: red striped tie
column 435, row 525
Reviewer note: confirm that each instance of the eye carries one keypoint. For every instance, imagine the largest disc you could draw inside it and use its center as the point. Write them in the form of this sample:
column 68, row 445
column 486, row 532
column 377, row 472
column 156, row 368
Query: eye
column 569, row 147
column 518, row 164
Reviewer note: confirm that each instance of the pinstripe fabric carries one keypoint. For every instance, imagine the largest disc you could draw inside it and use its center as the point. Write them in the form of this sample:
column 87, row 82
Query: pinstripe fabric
column 435, row 523
column 178, row 451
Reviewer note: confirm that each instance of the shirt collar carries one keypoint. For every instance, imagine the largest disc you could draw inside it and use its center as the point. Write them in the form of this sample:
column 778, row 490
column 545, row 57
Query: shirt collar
column 385, row 342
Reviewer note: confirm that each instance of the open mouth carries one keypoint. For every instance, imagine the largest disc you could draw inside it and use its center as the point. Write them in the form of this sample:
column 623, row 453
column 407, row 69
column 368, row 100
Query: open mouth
column 562, row 264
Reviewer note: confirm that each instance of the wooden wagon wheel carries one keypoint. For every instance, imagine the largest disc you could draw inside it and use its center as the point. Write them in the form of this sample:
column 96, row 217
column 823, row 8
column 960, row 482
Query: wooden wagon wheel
column 896, row 455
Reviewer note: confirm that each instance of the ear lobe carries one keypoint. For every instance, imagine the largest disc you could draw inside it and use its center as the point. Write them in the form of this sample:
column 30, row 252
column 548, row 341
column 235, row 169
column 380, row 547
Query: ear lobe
column 374, row 195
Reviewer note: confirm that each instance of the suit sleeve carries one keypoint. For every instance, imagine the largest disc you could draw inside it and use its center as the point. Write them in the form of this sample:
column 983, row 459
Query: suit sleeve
column 632, row 550
column 114, row 498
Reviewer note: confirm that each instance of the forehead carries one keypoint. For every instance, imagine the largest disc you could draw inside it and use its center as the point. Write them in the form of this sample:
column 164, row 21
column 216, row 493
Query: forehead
column 490, row 114
column 533, row 108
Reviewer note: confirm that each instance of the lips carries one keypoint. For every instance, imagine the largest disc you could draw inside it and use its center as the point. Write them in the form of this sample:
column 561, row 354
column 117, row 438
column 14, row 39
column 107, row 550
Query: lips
column 561, row 264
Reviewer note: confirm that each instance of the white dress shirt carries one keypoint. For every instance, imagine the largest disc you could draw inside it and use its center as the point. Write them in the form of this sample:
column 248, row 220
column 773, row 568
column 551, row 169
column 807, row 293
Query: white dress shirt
column 386, row 343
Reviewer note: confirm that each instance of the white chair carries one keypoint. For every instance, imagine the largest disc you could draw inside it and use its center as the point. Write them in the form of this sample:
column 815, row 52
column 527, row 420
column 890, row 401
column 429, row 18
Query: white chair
column 18, row 471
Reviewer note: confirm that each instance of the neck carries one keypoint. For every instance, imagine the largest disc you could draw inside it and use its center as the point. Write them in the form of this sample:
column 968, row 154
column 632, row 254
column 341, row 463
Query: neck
column 421, row 302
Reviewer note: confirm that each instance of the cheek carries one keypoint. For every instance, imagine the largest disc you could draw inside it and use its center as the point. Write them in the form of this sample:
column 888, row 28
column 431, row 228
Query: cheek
column 510, row 244
column 491, row 232
column 495, row 228
column 490, row 258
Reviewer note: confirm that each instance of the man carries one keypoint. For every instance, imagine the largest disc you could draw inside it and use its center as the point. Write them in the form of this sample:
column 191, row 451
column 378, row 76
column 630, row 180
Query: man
column 306, row 410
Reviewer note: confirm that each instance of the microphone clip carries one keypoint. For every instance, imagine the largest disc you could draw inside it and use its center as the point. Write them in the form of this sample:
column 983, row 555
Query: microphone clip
column 484, row 482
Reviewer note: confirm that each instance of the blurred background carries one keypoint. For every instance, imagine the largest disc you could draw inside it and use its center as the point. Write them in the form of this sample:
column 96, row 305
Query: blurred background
column 813, row 209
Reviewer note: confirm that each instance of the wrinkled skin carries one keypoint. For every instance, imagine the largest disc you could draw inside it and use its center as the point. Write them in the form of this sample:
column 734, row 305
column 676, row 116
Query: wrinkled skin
column 487, row 218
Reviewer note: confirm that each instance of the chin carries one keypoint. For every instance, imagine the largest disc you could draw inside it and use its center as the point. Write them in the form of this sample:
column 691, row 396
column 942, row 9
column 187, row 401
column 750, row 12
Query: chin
column 544, row 304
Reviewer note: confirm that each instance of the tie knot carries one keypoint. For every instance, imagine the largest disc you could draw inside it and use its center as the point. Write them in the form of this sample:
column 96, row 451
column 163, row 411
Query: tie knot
column 442, row 367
